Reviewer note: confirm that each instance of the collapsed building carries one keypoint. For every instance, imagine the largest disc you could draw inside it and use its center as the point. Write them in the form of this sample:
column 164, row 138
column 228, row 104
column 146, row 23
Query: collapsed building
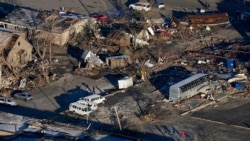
column 91, row 59
column 24, row 27
column 15, row 52
column 200, row 20
column 208, row 19
column 53, row 26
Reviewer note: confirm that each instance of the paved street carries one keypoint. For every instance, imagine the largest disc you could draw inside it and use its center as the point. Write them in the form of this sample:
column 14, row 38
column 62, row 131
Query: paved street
column 93, row 6
column 80, row 6
column 49, row 101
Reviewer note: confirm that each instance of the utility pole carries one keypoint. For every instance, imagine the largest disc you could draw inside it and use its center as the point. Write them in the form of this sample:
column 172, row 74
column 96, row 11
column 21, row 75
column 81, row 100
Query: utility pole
column 50, row 52
column 50, row 40
column 118, row 119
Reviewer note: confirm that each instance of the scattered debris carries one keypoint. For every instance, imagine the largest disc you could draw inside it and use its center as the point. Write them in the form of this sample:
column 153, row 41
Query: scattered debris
column 148, row 64
column 167, row 53
column 118, row 61
column 91, row 59
column 237, row 77
column 22, row 84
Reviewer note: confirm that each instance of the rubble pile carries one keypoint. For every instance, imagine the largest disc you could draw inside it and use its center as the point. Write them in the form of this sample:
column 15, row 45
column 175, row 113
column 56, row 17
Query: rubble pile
column 144, row 43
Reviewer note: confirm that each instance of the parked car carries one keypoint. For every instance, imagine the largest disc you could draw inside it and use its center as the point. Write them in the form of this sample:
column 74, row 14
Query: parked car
column 23, row 95
column 160, row 4
column 140, row 6
column 7, row 101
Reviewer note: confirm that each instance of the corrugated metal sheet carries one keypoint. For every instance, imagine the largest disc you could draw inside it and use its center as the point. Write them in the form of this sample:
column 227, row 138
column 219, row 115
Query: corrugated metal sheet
column 188, row 80
column 209, row 18
column 187, row 88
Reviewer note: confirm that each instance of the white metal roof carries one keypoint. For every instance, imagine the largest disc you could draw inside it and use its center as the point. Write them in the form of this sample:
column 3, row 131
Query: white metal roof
column 189, row 79
column 92, row 96
column 78, row 105
column 84, row 101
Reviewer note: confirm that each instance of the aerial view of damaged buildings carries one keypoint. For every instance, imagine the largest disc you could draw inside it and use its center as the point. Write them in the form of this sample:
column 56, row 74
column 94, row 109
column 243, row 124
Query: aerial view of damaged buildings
column 190, row 55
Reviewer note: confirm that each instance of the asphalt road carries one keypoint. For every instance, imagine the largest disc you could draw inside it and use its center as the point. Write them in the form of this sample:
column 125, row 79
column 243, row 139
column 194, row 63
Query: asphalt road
column 50, row 100
column 79, row 6
column 93, row 6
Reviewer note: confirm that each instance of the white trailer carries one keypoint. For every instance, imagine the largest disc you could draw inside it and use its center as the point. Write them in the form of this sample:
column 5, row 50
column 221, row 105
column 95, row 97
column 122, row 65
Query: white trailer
column 189, row 87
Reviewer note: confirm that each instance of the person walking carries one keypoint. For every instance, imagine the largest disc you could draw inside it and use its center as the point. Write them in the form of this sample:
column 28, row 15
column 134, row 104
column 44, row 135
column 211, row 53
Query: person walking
column 171, row 131
column 183, row 134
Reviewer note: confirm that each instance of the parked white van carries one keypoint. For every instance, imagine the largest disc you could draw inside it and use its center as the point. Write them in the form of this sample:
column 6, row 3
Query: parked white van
column 92, row 105
column 94, row 98
column 80, row 109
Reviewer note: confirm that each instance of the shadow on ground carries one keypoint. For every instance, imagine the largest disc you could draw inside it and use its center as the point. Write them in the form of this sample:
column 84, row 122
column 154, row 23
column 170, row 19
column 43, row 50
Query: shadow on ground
column 162, row 80
column 113, row 79
column 42, row 114
column 68, row 97
column 232, row 7
column 75, row 52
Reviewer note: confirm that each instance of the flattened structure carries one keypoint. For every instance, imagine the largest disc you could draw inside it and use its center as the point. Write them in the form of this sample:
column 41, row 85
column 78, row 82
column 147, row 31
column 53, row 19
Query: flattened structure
column 208, row 19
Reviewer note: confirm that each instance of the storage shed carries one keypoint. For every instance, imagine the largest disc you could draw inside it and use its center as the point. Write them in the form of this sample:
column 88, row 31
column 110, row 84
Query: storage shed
column 125, row 82
column 118, row 61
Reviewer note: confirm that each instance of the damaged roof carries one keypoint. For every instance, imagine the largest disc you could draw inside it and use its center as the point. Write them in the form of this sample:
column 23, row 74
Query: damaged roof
column 4, row 35
column 210, row 18
column 42, row 20
column 188, row 80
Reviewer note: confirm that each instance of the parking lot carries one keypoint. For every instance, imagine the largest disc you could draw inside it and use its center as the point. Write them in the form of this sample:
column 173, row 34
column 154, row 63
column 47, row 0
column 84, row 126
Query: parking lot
column 50, row 100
